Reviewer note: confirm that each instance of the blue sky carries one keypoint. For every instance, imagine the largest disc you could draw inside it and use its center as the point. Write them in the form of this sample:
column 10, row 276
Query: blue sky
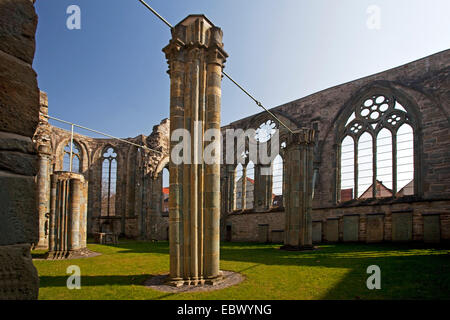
column 111, row 74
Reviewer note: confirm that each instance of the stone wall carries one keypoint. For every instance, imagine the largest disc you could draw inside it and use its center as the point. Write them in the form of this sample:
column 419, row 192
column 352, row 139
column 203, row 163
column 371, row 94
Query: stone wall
column 19, row 99
column 138, row 179
column 372, row 224
column 424, row 88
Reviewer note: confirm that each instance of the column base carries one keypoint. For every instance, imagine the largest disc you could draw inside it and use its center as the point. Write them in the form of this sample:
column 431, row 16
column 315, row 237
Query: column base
column 39, row 247
column 70, row 254
column 298, row 248
column 179, row 282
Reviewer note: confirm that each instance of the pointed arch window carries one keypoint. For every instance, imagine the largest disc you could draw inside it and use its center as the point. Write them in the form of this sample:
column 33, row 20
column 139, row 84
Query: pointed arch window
column 109, row 179
column 238, row 187
column 250, row 185
column 76, row 157
column 377, row 150
column 277, row 181
column 165, row 189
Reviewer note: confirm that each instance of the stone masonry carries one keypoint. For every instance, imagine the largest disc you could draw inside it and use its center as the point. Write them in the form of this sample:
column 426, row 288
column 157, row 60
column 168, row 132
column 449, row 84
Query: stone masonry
column 422, row 84
column 196, row 57
column 19, row 99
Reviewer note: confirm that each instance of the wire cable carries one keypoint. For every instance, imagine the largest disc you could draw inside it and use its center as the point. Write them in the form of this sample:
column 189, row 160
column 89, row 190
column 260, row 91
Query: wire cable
column 258, row 103
column 101, row 133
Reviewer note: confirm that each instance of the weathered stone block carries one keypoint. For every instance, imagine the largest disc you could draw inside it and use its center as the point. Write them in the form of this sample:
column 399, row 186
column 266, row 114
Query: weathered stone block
column 263, row 233
column 19, row 96
column 18, row 23
column 18, row 276
column 431, row 228
column 20, row 163
column 18, row 212
column 351, row 228
column 332, row 230
column 15, row 142
column 317, row 231
column 277, row 236
column 375, row 227
column 402, row 226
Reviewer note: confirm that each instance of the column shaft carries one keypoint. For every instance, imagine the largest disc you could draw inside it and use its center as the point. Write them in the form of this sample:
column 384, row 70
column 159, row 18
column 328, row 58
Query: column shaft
column 298, row 195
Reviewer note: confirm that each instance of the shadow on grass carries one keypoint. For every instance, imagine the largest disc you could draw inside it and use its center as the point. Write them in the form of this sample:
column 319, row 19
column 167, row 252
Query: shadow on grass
column 409, row 271
column 91, row 281
column 331, row 255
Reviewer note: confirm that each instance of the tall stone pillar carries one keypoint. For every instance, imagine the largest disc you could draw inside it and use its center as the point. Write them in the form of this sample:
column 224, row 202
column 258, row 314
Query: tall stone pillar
column 195, row 56
column 298, row 196
column 67, row 215
column 43, row 185
column 42, row 141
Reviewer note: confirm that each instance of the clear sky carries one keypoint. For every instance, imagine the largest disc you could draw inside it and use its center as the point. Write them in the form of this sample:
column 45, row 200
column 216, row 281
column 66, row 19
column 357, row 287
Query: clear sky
column 111, row 74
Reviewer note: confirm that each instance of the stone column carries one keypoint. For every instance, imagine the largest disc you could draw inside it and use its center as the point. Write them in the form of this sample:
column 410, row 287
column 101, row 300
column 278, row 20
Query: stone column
column 244, row 188
column 43, row 186
column 67, row 215
column 154, row 214
column 19, row 116
column 196, row 57
column 231, row 170
column 298, row 195
column 262, row 193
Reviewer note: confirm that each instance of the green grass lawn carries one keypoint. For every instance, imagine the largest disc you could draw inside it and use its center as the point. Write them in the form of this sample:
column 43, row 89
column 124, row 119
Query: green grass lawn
column 332, row 272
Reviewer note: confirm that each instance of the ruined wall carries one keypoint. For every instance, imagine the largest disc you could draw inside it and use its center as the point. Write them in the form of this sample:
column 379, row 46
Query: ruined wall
column 19, row 99
column 424, row 87
column 138, row 178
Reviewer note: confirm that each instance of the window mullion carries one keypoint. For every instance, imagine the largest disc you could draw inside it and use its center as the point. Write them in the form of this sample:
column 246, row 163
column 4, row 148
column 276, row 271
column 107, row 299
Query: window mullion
column 374, row 167
column 355, row 162
column 394, row 164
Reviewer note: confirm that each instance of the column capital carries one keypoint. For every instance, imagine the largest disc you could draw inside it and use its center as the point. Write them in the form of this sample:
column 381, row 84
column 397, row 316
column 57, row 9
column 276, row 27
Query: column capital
column 302, row 137
column 44, row 150
column 195, row 33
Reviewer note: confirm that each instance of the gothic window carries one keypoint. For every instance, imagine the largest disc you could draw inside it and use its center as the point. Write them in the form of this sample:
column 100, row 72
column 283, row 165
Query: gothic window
column 277, row 181
column 250, row 187
column 109, row 178
column 238, row 187
column 165, row 190
column 265, row 131
column 76, row 157
column 377, row 150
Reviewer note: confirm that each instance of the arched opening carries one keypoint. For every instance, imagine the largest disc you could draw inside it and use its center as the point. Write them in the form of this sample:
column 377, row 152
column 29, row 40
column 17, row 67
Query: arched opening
column 347, row 169
column 384, row 164
column 405, row 160
column 238, row 187
column 250, row 185
column 277, row 181
column 109, row 180
column 76, row 158
column 165, row 190
column 377, row 151
column 365, row 166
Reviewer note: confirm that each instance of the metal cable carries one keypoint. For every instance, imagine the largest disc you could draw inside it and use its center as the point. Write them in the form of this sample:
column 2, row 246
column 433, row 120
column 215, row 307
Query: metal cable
column 156, row 14
column 101, row 133
column 258, row 103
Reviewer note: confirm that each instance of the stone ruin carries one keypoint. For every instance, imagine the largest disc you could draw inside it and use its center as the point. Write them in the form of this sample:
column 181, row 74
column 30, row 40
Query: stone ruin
column 68, row 216
column 316, row 204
